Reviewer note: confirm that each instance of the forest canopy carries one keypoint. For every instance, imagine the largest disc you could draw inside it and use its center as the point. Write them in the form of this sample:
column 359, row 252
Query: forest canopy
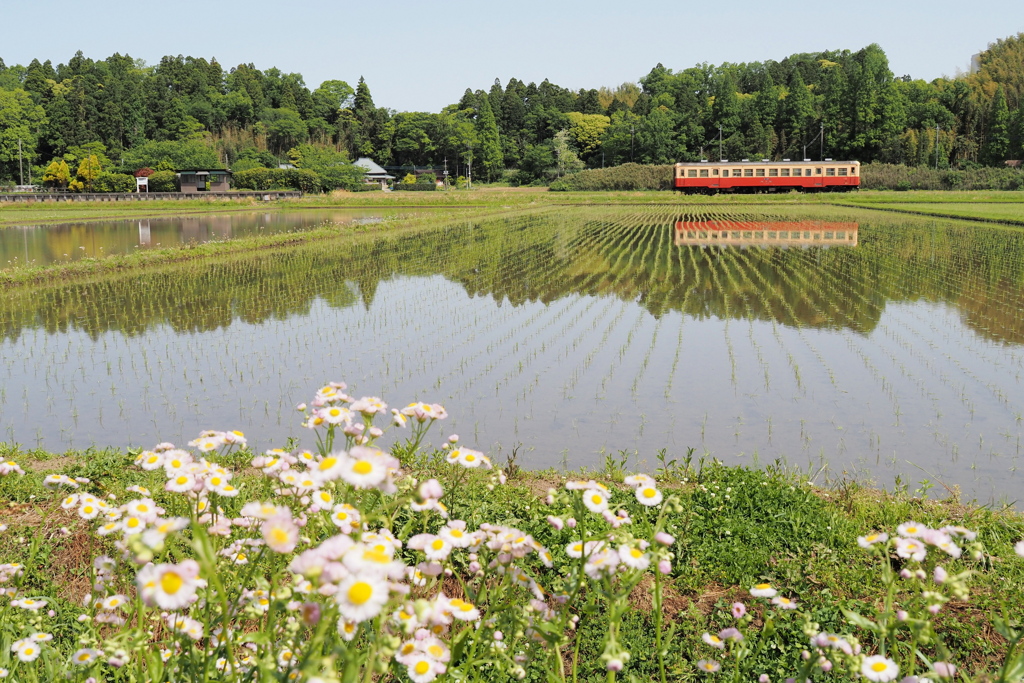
column 190, row 111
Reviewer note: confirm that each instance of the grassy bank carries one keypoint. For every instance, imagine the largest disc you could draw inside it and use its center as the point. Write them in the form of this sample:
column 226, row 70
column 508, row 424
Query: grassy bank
column 733, row 528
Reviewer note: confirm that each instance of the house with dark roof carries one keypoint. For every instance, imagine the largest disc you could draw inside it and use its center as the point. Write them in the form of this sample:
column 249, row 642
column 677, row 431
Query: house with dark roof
column 374, row 173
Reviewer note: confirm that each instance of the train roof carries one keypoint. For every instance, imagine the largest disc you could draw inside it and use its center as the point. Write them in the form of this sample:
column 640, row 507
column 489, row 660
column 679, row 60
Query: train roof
column 766, row 163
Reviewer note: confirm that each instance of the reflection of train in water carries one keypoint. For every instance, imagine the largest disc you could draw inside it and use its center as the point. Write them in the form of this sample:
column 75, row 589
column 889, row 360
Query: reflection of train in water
column 766, row 233
column 767, row 176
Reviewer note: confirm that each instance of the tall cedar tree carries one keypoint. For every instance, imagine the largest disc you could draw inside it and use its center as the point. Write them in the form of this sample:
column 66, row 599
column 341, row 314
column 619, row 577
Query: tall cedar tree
column 490, row 141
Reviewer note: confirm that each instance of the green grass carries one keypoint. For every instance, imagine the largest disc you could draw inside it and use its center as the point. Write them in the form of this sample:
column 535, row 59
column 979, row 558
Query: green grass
column 1010, row 212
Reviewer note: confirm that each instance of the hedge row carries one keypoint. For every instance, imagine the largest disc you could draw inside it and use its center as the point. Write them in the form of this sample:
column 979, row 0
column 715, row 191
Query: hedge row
column 415, row 187
column 624, row 177
column 896, row 177
column 302, row 179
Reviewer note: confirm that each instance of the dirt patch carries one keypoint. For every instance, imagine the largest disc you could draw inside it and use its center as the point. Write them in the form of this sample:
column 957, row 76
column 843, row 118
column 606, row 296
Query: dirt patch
column 676, row 604
column 52, row 464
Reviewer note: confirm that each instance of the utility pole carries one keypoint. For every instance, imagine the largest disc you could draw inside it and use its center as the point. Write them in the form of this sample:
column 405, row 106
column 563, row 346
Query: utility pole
column 21, row 171
column 821, row 151
column 719, row 143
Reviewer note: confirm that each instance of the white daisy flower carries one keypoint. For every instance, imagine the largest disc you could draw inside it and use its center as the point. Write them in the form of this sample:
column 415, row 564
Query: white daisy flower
column 648, row 495
column 345, row 517
column 595, row 500
column 113, row 602
column 462, row 610
column 636, row 480
column 879, row 669
column 871, row 539
column 708, row 665
column 149, row 460
column 455, row 534
column 361, row 597
column 26, row 649
column 634, row 557
column 347, row 629
column 713, row 640
column 180, row 483
column 783, row 603
column 421, row 670
column 85, row 656
column 911, row 529
column 911, row 548
column 70, row 502
column 763, row 590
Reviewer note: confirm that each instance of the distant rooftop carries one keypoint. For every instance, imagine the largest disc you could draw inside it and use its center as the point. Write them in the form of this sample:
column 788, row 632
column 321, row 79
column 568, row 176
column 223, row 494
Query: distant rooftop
column 372, row 168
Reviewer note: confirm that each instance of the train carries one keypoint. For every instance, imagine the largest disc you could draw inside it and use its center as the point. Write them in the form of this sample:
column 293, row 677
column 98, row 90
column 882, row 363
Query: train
column 712, row 177
column 766, row 233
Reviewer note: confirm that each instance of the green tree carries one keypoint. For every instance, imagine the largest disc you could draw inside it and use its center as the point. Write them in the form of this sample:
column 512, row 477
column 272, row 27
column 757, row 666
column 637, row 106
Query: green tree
column 587, row 130
column 997, row 138
column 88, row 170
column 57, row 174
column 490, row 141
column 171, row 154
column 20, row 119
column 568, row 160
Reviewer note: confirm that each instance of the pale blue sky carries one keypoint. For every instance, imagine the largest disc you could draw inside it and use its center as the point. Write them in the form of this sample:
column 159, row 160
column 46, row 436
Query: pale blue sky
column 420, row 56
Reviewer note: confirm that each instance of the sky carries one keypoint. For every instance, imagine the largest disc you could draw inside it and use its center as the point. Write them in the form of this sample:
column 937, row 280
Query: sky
column 420, row 56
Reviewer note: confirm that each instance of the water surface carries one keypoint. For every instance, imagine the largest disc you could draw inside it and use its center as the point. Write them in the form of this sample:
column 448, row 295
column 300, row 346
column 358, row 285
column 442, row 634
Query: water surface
column 895, row 349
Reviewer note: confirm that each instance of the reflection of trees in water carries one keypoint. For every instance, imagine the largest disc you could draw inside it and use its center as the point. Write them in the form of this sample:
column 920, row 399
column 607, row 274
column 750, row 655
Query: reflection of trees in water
column 546, row 256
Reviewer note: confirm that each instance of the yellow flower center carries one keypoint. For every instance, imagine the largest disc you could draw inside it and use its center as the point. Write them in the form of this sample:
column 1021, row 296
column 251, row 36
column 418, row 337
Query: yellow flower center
column 171, row 582
column 636, row 553
column 436, row 651
column 437, row 544
column 360, row 592
column 279, row 535
column 762, row 586
column 422, row 667
column 457, row 533
column 362, row 467
column 596, row 499
column 470, row 457
column 879, row 666
column 327, row 463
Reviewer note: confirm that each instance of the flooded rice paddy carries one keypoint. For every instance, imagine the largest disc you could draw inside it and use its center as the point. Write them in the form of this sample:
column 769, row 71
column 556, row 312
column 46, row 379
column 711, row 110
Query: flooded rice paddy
column 858, row 342
column 46, row 244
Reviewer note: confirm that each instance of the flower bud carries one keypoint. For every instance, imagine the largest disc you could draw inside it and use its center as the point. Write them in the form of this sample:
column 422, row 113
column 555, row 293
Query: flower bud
column 664, row 566
column 571, row 522
column 901, row 615
column 615, row 665
column 664, row 538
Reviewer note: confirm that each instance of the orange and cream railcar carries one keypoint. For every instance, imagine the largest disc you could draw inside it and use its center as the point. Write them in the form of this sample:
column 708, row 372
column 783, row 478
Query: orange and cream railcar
column 706, row 177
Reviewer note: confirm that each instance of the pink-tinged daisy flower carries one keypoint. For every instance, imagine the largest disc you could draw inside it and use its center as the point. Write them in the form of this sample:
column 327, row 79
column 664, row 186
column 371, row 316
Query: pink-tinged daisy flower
column 113, row 602
column 709, row 666
column 763, row 590
column 330, row 467
column 959, row 532
column 739, row 610
column 455, row 534
column 365, row 468
column 871, row 539
column 347, row 629
column 648, row 495
column 55, row 480
column 281, row 533
column 421, row 670
column 335, row 415
column 145, row 509
column 9, row 466
column 70, row 502
column 911, row 549
column 369, row 406
column 879, row 669
column 169, row 586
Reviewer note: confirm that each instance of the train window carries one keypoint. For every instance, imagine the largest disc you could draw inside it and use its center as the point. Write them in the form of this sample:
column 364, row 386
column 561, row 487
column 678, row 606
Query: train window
column 759, row 173
column 703, row 173
column 817, row 171
column 758, row 235
column 748, row 173
column 807, row 171
column 746, row 235
column 840, row 235
column 842, row 171
column 736, row 173
column 773, row 172
column 830, row 171
column 784, row 172
column 828, row 235
column 853, row 170
column 725, row 173
column 771, row 235
column 692, row 173
column 714, row 171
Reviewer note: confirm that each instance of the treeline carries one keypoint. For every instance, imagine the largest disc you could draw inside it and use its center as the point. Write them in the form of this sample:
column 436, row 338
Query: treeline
column 188, row 111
